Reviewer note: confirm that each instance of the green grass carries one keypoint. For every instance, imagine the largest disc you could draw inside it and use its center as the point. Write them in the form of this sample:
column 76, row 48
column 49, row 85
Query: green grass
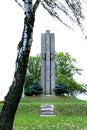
column 70, row 114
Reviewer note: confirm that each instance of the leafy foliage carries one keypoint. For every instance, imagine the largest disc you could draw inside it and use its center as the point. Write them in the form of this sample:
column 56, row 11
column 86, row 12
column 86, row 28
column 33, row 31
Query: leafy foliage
column 35, row 89
column 65, row 70
column 60, row 89
column 65, row 65
column 71, row 84
column 33, row 70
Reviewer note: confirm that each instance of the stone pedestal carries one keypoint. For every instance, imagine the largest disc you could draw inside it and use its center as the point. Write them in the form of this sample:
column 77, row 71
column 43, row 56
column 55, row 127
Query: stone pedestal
column 47, row 110
column 47, row 62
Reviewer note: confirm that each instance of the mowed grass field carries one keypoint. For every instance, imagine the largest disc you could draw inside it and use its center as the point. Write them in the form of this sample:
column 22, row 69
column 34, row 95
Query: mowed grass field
column 70, row 114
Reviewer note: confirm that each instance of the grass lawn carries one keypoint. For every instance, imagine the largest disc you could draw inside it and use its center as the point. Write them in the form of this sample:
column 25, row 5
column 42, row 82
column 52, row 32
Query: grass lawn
column 70, row 114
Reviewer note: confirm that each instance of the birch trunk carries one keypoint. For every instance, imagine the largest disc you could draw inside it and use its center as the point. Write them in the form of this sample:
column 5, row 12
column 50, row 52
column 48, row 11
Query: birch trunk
column 14, row 95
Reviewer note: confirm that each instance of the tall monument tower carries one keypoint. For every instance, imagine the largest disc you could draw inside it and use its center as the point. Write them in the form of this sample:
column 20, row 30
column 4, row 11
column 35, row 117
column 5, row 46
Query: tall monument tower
column 47, row 62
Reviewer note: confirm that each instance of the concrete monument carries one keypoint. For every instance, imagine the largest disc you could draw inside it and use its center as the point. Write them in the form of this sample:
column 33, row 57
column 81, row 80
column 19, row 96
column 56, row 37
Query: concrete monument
column 47, row 62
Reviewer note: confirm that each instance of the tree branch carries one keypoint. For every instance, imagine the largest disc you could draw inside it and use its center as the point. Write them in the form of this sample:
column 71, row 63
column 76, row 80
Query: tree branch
column 19, row 3
column 36, row 5
column 76, row 9
column 54, row 14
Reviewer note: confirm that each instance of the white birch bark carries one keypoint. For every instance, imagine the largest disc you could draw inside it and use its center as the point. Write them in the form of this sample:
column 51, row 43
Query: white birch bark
column 13, row 97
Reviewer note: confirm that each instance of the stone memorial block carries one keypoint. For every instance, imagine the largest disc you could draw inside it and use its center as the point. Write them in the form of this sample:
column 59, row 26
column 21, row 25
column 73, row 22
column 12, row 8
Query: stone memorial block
column 47, row 110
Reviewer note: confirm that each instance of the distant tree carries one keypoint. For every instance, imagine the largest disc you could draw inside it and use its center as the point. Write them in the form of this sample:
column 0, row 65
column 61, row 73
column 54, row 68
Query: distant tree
column 65, row 65
column 33, row 70
column 13, row 97
column 65, row 70
column 70, row 83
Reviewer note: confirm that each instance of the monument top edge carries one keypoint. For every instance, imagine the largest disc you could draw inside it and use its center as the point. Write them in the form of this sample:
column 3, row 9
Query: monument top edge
column 47, row 31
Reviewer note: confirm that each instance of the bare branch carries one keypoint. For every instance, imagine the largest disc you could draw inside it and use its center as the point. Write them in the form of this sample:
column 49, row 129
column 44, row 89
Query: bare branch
column 55, row 14
column 71, row 8
column 63, row 8
column 76, row 8
column 36, row 5
column 19, row 3
column 54, row 8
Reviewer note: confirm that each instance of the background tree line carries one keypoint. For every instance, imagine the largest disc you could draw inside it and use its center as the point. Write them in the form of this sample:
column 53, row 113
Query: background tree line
column 65, row 69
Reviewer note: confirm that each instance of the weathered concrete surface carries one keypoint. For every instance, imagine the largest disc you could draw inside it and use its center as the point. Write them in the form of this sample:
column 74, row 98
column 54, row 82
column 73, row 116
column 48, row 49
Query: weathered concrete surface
column 47, row 62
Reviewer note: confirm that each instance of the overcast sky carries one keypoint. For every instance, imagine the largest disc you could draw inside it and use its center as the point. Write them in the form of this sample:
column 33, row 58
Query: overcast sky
column 11, row 26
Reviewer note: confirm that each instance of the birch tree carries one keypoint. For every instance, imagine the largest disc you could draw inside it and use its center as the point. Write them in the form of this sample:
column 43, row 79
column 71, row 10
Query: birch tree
column 53, row 7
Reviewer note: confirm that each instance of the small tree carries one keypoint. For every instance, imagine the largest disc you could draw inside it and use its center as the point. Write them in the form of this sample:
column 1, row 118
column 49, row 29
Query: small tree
column 60, row 89
column 35, row 89
column 65, row 70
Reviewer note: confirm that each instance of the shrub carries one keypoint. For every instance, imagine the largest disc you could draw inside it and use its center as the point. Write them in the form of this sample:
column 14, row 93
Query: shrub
column 35, row 89
column 60, row 89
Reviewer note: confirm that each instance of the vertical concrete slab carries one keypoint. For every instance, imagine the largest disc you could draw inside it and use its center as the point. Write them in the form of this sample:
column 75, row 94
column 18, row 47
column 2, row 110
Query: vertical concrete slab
column 52, row 62
column 48, row 67
column 47, row 62
column 43, row 62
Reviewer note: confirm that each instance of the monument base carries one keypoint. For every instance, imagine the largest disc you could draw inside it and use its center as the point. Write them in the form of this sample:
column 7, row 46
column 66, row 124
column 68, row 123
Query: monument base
column 47, row 110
